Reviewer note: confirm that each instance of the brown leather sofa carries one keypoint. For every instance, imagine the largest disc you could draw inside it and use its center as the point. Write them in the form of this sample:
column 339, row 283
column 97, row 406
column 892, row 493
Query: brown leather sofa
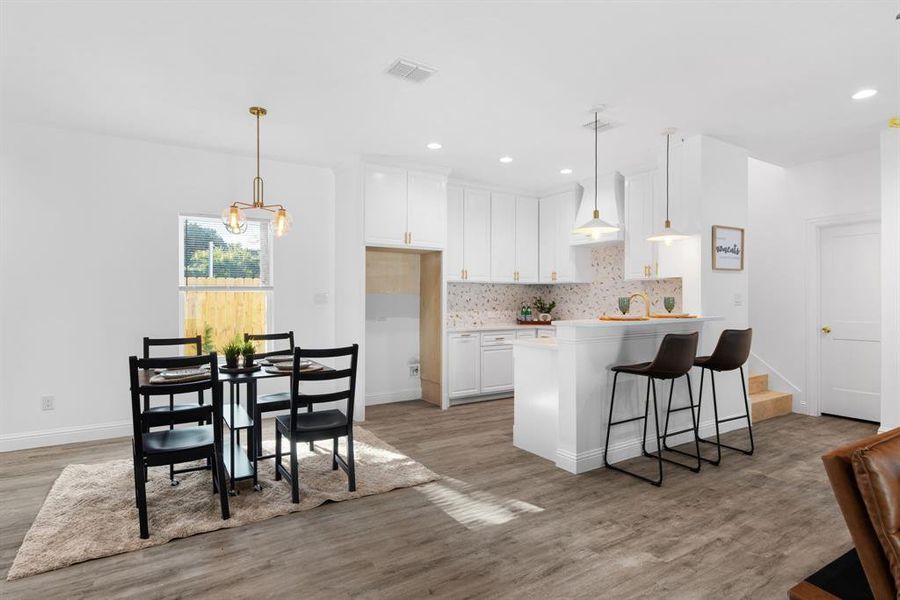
column 865, row 477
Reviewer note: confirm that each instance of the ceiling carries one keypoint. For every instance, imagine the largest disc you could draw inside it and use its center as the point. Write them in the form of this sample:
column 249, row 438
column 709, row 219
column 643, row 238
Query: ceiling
column 514, row 78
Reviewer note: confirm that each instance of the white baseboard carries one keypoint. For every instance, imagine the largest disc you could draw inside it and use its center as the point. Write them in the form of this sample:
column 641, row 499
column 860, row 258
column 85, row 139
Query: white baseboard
column 64, row 435
column 396, row 396
column 593, row 458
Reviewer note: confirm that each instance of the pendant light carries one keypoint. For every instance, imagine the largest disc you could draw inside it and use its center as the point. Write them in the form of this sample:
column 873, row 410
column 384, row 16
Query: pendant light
column 667, row 235
column 233, row 216
column 596, row 226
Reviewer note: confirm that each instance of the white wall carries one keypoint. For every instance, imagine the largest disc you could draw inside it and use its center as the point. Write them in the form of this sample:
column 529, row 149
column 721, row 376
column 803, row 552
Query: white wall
column 782, row 201
column 89, row 260
column 890, row 279
column 392, row 337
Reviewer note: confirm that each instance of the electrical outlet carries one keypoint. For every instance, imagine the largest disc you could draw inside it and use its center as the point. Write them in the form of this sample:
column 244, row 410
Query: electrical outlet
column 47, row 402
column 413, row 370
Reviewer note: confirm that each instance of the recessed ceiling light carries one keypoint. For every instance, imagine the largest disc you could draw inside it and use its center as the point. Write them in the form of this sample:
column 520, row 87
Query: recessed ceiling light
column 565, row 171
column 434, row 146
column 506, row 159
column 863, row 94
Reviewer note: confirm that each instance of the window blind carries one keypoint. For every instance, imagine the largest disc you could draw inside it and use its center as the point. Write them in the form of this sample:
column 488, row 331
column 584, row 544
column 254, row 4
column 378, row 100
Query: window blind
column 213, row 257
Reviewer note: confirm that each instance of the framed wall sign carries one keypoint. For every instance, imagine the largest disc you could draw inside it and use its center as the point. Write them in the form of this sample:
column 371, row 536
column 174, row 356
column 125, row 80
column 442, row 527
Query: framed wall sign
column 727, row 248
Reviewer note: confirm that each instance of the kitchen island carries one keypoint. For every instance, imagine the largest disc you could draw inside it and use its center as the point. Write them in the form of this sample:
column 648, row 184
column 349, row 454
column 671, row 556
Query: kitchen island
column 563, row 386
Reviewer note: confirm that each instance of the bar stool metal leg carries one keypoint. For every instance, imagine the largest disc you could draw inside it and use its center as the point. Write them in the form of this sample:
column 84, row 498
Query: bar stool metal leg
column 718, row 421
column 692, row 429
column 657, row 482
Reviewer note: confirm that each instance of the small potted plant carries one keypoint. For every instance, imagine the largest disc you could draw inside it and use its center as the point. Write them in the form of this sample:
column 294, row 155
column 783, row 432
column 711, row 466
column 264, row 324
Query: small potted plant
column 543, row 308
column 248, row 350
column 232, row 351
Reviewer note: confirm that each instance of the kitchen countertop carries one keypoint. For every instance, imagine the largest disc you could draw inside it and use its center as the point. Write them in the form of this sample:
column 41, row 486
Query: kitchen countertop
column 498, row 327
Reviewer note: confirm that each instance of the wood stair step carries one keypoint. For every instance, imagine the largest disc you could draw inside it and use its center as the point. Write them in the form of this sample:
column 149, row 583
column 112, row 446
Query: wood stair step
column 769, row 404
column 758, row 383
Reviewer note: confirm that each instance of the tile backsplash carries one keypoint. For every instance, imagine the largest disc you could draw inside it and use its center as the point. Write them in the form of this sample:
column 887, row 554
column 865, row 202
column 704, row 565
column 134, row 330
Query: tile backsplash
column 476, row 304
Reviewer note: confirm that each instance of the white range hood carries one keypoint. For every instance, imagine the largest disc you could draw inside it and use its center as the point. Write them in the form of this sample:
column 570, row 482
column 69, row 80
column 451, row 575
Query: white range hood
column 610, row 202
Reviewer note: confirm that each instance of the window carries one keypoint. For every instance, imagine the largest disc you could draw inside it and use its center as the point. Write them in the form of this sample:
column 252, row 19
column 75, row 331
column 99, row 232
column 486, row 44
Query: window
column 225, row 280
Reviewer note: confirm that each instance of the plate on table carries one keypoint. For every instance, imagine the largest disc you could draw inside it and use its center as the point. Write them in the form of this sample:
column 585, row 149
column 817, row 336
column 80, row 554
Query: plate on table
column 278, row 370
column 204, row 367
column 279, row 358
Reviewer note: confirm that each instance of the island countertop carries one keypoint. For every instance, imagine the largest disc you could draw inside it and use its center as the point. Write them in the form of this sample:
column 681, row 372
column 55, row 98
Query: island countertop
column 563, row 387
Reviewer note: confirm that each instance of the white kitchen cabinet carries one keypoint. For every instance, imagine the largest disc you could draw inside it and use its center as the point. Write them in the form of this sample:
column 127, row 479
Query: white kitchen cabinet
column 464, row 364
column 525, row 334
column 426, row 206
column 527, row 239
column 503, row 238
column 404, row 208
column 477, row 235
column 546, row 333
column 453, row 259
column 560, row 262
column 384, row 190
column 640, row 255
column 496, row 369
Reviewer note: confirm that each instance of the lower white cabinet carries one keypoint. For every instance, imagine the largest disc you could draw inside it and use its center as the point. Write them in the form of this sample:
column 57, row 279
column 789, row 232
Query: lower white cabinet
column 496, row 368
column 465, row 364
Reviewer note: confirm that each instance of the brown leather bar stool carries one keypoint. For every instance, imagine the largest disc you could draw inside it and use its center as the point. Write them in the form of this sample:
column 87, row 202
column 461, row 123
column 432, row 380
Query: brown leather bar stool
column 673, row 360
column 731, row 352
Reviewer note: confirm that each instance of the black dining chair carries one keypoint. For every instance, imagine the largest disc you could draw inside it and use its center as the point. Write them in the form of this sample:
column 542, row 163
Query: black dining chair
column 269, row 402
column 176, row 411
column 314, row 426
column 673, row 360
column 175, row 446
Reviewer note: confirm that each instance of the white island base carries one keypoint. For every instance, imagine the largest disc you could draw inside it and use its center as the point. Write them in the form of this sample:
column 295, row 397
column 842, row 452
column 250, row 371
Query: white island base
column 563, row 387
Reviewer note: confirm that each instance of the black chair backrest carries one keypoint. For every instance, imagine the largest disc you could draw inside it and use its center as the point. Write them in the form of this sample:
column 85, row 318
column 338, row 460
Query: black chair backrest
column 676, row 354
column 269, row 337
column 196, row 341
column 142, row 418
column 732, row 350
column 307, row 400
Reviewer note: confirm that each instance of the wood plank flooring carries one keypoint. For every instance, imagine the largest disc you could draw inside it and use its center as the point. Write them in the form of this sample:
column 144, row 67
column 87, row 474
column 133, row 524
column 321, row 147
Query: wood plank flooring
column 503, row 524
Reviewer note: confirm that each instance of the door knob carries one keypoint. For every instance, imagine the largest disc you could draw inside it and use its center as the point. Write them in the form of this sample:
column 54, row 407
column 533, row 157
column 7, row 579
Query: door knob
column 826, row 329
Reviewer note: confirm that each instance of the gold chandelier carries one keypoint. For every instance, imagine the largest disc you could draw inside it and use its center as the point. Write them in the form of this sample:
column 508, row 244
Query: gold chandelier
column 233, row 216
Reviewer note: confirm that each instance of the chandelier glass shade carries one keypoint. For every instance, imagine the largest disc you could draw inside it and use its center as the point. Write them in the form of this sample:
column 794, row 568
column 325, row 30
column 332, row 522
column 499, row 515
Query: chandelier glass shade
column 233, row 216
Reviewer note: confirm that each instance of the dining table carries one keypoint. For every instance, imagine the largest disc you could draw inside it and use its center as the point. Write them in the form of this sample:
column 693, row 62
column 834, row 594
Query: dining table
column 242, row 462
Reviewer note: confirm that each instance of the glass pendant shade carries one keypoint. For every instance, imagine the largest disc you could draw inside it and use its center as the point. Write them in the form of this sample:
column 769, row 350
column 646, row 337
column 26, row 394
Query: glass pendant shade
column 282, row 222
column 234, row 220
column 596, row 227
column 667, row 235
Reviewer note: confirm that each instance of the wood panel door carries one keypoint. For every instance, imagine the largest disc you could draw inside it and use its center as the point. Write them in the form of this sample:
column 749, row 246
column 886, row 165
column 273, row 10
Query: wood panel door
column 850, row 328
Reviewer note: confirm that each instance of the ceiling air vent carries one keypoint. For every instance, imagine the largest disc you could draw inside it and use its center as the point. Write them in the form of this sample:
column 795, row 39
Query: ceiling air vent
column 410, row 71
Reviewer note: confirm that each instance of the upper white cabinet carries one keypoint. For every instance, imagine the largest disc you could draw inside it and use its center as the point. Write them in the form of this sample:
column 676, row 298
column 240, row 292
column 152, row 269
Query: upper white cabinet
column 384, row 190
column 560, row 261
column 527, row 239
column 491, row 236
column 404, row 208
column 426, row 202
column 640, row 255
column 476, row 235
column 453, row 257
column 503, row 238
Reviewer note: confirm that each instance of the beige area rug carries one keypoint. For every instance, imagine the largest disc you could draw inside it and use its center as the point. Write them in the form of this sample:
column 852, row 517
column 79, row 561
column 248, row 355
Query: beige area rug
column 90, row 511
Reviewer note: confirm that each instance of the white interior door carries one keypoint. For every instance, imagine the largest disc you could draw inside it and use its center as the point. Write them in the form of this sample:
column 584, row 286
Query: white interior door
column 850, row 309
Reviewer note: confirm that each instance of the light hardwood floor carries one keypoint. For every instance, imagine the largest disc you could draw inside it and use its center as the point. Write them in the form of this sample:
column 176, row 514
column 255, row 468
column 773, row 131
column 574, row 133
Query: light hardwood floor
column 503, row 524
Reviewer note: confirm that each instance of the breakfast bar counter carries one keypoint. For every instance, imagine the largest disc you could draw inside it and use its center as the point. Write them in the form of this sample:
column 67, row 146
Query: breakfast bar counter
column 563, row 386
